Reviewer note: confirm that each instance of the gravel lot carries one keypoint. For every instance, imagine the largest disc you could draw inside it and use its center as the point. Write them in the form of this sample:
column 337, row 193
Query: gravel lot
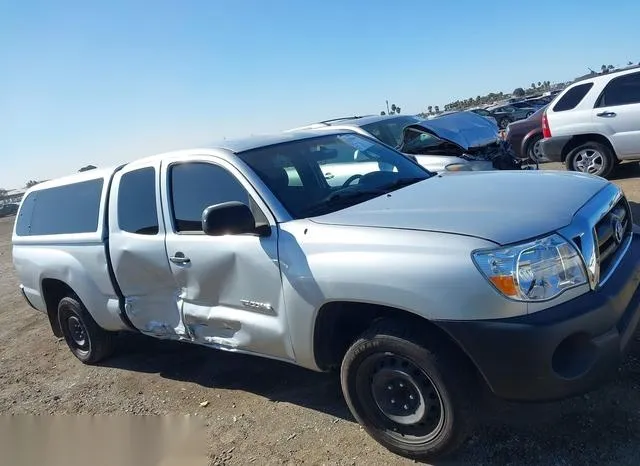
column 265, row 412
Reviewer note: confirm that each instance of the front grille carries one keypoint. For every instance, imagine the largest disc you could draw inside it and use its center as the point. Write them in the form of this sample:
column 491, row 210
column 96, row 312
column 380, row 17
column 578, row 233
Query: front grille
column 611, row 232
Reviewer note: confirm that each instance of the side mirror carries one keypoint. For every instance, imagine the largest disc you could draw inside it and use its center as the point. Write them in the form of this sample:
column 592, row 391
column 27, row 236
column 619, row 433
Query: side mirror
column 228, row 218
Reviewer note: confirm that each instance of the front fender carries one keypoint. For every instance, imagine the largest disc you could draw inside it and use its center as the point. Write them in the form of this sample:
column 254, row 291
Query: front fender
column 428, row 274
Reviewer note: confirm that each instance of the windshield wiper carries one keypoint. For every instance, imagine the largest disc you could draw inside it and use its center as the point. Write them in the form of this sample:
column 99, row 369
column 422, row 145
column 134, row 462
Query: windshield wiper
column 342, row 197
column 402, row 182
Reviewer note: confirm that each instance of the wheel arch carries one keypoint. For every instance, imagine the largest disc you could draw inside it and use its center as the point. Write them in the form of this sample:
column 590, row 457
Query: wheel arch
column 580, row 139
column 528, row 139
column 53, row 290
column 339, row 323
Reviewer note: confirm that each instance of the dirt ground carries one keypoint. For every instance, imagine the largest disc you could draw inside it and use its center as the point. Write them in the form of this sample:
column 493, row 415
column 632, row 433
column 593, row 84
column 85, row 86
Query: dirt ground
column 265, row 412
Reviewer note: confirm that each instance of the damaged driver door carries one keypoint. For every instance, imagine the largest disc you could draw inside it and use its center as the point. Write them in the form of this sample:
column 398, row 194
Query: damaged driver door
column 230, row 285
column 138, row 255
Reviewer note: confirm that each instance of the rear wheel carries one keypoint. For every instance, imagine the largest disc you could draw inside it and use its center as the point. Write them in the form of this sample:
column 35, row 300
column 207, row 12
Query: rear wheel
column 411, row 397
column 533, row 149
column 85, row 338
column 593, row 158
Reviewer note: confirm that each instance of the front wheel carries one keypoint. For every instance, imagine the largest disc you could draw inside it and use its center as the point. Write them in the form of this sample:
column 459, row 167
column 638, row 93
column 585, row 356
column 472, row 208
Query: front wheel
column 593, row 158
column 412, row 398
column 85, row 338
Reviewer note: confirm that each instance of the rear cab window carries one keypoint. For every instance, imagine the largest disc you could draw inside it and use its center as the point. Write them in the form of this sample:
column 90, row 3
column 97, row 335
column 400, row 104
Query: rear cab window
column 69, row 209
column 572, row 97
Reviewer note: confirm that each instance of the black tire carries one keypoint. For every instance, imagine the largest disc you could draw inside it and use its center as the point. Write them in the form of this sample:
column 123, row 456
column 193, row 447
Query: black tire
column 87, row 341
column 602, row 157
column 529, row 150
column 503, row 123
column 441, row 382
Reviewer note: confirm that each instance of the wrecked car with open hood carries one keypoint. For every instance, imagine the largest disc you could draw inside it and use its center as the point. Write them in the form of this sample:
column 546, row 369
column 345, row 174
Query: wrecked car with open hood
column 457, row 141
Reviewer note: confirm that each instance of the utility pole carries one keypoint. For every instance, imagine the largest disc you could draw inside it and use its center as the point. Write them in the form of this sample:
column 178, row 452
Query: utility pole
column 387, row 106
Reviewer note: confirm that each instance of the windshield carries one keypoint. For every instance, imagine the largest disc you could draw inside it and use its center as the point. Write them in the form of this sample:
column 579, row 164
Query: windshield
column 323, row 174
column 390, row 130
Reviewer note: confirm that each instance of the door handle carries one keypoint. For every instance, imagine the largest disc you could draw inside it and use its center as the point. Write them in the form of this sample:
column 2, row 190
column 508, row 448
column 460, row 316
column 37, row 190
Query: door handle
column 607, row 114
column 179, row 258
column 328, row 175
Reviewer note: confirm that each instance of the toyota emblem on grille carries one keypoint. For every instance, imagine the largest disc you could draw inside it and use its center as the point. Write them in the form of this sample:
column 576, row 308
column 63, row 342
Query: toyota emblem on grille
column 618, row 230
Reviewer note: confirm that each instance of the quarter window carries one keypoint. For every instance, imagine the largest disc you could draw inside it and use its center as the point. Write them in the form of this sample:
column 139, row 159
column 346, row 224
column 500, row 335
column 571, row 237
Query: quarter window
column 572, row 97
column 624, row 90
column 198, row 185
column 137, row 210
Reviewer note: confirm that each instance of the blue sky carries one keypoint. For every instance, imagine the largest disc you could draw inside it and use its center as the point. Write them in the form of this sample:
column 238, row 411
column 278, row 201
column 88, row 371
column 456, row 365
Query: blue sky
column 106, row 82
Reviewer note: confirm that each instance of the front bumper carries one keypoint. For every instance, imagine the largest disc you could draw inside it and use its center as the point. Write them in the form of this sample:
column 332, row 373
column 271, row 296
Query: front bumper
column 553, row 148
column 562, row 351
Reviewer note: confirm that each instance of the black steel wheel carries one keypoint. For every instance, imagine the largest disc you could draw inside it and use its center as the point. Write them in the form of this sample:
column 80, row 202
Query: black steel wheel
column 414, row 398
column 87, row 341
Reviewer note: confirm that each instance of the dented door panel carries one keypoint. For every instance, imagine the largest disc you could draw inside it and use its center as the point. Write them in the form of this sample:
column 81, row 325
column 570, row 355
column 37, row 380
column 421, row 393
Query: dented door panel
column 230, row 289
column 139, row 257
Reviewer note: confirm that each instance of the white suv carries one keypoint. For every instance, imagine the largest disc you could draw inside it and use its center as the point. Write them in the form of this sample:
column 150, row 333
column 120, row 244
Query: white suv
column 595, row 123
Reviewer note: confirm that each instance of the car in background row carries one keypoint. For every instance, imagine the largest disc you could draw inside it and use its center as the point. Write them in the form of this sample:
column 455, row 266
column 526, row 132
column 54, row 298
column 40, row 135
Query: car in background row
column 528, row 104
column 7, row 210
column 524, row 136
column 595, row 123
column 538, row 102
column 506, row 114
column 457, row 141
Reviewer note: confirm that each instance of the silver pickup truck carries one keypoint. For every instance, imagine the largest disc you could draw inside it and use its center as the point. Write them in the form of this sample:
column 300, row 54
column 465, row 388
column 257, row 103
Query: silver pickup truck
column 420, row 289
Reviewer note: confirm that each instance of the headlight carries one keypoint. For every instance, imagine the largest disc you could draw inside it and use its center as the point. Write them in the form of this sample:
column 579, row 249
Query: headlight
column 533, row 271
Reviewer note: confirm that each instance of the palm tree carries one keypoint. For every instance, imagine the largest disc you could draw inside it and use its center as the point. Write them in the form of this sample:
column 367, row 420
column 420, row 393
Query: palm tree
column 437, row 109
column 603, row 68
column 430, row 108
column 539, row 84
column 393, row 108
column 610, row 67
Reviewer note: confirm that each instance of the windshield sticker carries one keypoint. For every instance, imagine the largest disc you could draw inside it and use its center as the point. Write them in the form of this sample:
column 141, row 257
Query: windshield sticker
column 356, row 142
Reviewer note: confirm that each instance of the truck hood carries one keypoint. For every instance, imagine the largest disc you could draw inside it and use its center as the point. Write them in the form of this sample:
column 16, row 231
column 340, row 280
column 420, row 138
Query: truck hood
column 500, row 206
column 467, row 130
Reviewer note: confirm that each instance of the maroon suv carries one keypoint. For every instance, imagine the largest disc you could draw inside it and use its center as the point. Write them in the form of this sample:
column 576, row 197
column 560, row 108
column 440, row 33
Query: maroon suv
column 524, row 136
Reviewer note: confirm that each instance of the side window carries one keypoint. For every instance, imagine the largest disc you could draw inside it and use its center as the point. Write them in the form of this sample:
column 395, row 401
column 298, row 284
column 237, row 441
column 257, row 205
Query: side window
column 72, row 208
column 198, row 185
column 137, row 210
column 572, row 97
column 624, row 90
